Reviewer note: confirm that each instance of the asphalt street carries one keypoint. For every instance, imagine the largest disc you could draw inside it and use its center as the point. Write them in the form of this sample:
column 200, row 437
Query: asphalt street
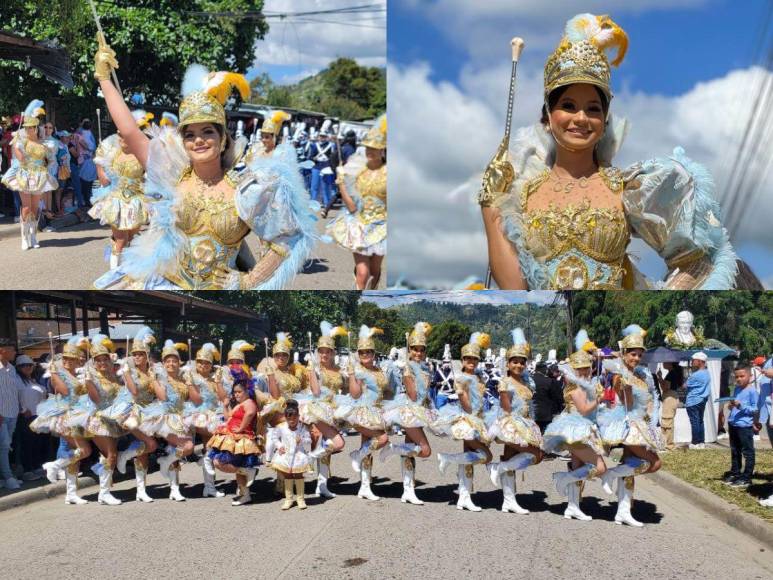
column 71, row 259
column 347, row 537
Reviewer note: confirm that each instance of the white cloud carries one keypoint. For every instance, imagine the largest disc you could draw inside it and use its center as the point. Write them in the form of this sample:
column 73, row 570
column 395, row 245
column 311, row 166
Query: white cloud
column 443, row 135
column 313, row 45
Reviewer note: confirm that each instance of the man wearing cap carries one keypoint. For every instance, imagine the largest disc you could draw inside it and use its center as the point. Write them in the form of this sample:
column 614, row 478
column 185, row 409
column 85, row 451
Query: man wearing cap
column 698, row 392
column 10, row 404
column 322, row 175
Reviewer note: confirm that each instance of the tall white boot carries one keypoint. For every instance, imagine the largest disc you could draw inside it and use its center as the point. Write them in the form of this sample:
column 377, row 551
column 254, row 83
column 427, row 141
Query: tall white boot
column 409, row 482
column 140, row 475
column 365, row 479
column 510, row 503
column 165, row 462
column 174, row 485
column 516, row 463
column 631, row 466
column 359, row 454
column 71, row 483
column 244, row 496
column 323, row 471
column 25, row 241
column 209, row 480
column 563, row 480
column 135, row 448
column 466, row 458
column 324, row 449
column 33, row 232
column 625, row 502
column 105, row 481
column 465, row 474
column 573, row 503
column 52, row 467
column 403, row 449
column 115, row 259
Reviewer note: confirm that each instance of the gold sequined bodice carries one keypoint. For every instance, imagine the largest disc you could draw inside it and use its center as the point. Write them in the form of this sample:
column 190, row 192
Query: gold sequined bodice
column 333, row 380
column 108, row 387
column 146, row 394
column 34, row 155
column 181, row 388
column 129, row 172
column 372, row 185
column 288, row 383
column 575, row 231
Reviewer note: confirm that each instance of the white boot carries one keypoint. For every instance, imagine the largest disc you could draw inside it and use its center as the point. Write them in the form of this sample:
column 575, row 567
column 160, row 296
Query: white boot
column 207, row 465
column 165, row 462
column 365, row 477
column 105, row 481
column 563, row 480
column 115, row 260
column 244, row 496
column 174, row 486
column 409, row 482
column 517, row 463
column 629, row 467
column 465, row 488
column 403, row 449
column 624, row 503
column 323, row 449
column 136, row 448
column 323, row 471
column 466, row 458
column 510, row 503
column 359, row 454
column 25, row 242
column 209, row 481
column 33, row 232
column 71, row 497
column 573, row 504
column 52, row 468
column 139, row 477
column 251, row 472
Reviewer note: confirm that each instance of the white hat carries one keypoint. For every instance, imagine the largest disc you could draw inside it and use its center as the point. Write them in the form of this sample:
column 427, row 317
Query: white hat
column 700, row 356
column 24, row 360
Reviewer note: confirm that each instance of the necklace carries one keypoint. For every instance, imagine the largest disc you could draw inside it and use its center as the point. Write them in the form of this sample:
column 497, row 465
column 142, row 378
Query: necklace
column 567, row 185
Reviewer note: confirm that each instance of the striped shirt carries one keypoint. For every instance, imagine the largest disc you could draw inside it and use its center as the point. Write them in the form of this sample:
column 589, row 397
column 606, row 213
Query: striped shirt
column 10, row 388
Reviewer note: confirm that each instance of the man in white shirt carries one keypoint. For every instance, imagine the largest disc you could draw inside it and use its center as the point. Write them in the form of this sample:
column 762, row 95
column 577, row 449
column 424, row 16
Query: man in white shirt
column 10, row 387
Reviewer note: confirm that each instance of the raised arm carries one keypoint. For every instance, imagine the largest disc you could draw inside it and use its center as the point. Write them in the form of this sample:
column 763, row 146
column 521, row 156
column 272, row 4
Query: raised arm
column 104, row 63
column 59, row 387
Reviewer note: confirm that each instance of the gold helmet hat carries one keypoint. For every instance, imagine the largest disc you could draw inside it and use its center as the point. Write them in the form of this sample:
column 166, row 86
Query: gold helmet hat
column 274, row 121
column 581, row 358
column 32, row 113
column 478, row 340
column 238, row 348
column 521, row 348
column 101, row 344
column 172, row 348
column 633, row 337
column 418, row 336
column 208, row 352
column 76, row 347
column 205, row 94
column 377, row 135
column 327, row 338
column 365, row 338
column 283, row 344
column 142, row 340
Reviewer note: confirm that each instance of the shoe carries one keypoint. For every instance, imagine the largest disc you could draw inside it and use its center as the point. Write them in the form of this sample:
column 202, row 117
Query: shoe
column 465, row 487
column 31, row 476
column 49, row 229
column 71, row 497
column 723, row 436
column 573, row 510
column 510, row 503
column 767, row 502
column 624, row 505
column 729, row 480
column 16, row 219
column 365, row 477
column 12, row 483
column 288, row 489
column 299, row 493
column 139, row 477
column 243, row 499
column 323, row 475
column 105, row 481
column 409, row 482
column 741, row 483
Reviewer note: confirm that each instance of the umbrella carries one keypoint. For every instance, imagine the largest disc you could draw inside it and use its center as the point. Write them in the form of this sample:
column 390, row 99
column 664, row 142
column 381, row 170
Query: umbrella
column 662, row 354
column 46, row 57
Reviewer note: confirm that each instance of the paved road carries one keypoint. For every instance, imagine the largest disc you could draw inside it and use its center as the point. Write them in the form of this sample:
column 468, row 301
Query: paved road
column 71, row 259
column 351, row 538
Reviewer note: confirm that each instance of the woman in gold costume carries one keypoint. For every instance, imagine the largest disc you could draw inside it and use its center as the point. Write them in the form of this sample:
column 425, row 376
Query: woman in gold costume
column 323, row 380
column 575, row 429
column 363, row 186
column 103, row 387
column 269, row 136
column 464, row 422
column 510, row 424
column 120, row 202
column 627, row 424
column 203, row 203
column 29, row 171
column 558, row 215
column 362, row 407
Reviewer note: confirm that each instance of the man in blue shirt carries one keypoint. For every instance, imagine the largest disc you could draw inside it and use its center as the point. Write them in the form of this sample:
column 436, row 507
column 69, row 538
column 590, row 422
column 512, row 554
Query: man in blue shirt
column 698, row 391
column 743, row 408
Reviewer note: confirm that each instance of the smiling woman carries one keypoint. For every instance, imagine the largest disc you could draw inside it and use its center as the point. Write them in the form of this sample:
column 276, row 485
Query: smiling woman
column 558, row 215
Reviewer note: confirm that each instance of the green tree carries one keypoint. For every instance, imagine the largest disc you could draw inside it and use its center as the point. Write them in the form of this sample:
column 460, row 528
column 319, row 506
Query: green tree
column 449, row 332
column 154, row 41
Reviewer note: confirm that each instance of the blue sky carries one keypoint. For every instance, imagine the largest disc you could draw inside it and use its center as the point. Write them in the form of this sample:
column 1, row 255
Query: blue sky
column 687, row 80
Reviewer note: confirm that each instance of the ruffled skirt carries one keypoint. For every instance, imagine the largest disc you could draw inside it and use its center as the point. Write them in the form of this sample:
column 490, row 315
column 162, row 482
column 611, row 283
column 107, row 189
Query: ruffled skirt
column 407, row 413
column 159, row 420
column 354, row 235
column 34, row 180
column 119, row 212
column 617, row 428
column 362, row 412
column 201, row 417
column 102, row 425
column 51, row 415
column 315, row 409
column 571, row 430
column 237, row 449
column 454, row 422
column 291, row 463
column 513, row 428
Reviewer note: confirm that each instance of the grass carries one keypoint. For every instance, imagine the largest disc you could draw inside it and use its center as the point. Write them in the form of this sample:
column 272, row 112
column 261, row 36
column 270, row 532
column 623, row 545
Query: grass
column 706, row 468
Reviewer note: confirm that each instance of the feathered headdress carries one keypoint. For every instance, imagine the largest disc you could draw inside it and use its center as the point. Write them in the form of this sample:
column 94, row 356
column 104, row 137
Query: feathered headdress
column 328, row 332
column 142, row 118
column 418, row 336
column 283, row 344
column 101, row 344
column 478, row 340
column 172, row 348
column 583, row 345
column 143, row 339
column 581, row 57
column 76, row 347
column 238, row 348
column 169, row 120
column 206, row 92
column 274, row 121
column 365, row 337
column 377, row 135
column 208, row 352
column 633, row 337
column 521, row 347
column 32, row 112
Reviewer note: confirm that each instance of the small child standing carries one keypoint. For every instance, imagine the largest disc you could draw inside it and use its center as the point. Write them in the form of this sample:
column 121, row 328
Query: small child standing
column 743, row 408
column 290, row 443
